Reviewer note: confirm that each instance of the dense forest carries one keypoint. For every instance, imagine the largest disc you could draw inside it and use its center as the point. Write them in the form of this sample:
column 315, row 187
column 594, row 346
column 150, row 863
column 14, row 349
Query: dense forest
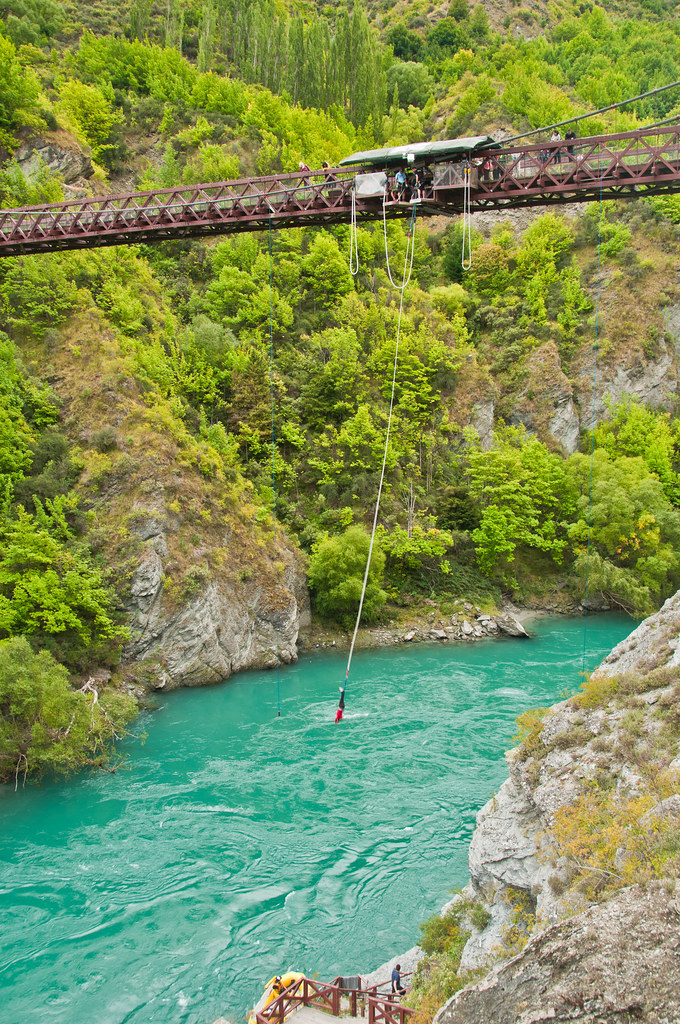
column 107, row 354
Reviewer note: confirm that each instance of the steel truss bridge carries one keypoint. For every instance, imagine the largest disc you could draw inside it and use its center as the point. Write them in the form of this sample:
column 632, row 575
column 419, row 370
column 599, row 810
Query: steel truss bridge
column 625, row 165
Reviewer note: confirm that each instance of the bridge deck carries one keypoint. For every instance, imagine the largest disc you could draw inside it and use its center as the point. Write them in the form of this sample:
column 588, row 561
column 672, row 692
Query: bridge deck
column 630, row 164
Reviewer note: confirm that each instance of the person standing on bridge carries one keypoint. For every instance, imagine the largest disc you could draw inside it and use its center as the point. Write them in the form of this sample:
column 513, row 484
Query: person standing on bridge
column 557, row 153
column 570, row 136
column 397, row 987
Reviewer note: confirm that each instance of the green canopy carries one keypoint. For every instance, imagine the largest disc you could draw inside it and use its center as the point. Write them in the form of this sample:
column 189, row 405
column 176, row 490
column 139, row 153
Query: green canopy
column 420, row 151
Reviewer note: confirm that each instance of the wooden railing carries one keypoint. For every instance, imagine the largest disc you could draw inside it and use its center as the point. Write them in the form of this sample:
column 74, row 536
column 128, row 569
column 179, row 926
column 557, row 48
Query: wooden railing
column 379, row 1008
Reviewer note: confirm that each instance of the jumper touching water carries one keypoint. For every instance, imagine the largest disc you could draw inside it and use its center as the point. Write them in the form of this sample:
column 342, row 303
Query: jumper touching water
column 624, row 165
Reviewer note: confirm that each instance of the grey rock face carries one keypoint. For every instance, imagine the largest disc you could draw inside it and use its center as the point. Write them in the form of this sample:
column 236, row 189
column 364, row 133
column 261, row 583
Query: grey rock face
column 482, row 421
column 653, row 383
column 654, row 643
column 68, row 163
column 565, row 426
column 224, row 628
column 615, row 962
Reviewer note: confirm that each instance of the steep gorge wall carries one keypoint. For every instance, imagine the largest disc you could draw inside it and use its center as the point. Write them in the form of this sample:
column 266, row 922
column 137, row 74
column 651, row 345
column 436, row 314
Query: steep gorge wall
column 585, row 960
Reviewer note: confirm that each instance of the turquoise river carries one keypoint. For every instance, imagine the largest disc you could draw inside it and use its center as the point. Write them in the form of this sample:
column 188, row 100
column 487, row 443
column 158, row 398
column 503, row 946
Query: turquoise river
column 237, row 844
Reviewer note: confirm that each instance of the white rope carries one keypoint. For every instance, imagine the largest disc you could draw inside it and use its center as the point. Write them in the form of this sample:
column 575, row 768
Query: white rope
column 466, row 262
column 353, row 238
column 412, row 238
column 410, row 243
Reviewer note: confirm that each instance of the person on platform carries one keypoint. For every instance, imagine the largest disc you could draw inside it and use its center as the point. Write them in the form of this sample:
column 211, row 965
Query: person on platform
column 397, row 987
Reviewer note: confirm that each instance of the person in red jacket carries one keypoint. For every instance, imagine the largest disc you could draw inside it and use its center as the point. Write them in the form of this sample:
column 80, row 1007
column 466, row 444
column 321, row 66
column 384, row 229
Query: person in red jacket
column 341, row 705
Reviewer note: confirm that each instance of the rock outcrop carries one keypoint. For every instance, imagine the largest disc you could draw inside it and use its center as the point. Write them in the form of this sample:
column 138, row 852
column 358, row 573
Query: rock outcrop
column 616, row 962
column 654, row 643
column 584, row 960
column 221, row 629
column 652, row 382
column 69, row 162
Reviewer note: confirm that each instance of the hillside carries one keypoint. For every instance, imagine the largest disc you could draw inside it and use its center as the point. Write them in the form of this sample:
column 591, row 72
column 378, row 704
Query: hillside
column 139, row 386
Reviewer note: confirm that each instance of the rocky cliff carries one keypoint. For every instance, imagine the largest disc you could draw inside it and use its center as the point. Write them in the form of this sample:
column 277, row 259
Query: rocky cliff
column 573, row 863
column 206, row 587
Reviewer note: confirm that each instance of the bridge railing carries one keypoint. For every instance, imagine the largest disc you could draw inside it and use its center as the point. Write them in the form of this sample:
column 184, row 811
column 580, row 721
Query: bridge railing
column 254, row 197
column 639, row 157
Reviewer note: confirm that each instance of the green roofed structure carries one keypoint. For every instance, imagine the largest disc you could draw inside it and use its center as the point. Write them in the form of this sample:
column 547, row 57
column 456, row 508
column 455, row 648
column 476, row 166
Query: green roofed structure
column 445, row 149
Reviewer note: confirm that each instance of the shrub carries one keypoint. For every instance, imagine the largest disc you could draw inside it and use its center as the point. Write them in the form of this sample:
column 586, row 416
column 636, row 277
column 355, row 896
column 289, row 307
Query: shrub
column 336, row 573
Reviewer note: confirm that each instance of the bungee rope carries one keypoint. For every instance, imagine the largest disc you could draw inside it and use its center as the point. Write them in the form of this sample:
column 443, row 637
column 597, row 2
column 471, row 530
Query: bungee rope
column 466, row 261
column 273, row 444
column 406, row 277
column 592, row 432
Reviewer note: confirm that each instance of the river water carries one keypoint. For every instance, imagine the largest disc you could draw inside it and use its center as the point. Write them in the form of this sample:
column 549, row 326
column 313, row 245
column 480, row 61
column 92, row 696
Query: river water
column 237, row 844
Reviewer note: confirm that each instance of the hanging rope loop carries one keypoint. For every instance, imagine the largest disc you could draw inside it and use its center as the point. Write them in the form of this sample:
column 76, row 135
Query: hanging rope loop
column 410, row 243
column 466, row 261
column 353, row 237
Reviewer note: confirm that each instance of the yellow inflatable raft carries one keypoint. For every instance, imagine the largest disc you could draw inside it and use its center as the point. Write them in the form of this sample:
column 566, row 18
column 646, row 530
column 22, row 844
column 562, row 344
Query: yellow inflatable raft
column 272, row 990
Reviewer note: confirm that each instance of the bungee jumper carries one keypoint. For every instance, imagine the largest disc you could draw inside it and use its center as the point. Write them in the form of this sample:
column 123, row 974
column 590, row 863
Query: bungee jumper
column 341, row 705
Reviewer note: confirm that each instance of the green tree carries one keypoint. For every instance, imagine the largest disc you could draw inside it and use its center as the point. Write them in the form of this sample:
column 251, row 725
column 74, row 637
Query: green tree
column 407, row 45
column 45, row 725
column 50, row 590
column 634, row 531
column 636, row 430
column 19, row 93
column 336, row 574
column 526, row 499
column 94, row 118
column 413, row 83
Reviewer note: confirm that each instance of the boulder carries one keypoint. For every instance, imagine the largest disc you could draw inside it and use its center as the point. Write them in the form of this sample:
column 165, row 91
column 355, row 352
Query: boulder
column 509, row 625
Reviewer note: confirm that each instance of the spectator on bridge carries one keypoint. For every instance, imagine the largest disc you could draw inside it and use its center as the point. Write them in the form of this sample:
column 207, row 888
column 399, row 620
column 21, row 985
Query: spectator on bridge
column 326, row 168
column 569, row 136
column 557, row 154
column 397, row 987
column 304, row 173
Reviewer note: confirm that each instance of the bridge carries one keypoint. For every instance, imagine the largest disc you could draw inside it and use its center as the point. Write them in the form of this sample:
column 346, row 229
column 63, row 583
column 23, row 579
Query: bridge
column 629, row 164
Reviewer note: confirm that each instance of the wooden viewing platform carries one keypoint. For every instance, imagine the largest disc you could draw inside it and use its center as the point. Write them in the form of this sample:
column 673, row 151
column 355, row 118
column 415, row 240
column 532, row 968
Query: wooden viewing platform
column 312, row 1002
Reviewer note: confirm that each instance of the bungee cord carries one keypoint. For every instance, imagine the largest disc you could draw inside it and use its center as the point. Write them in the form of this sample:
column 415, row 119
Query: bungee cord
column 592, row 434
column 273, row 444
column 406, row 277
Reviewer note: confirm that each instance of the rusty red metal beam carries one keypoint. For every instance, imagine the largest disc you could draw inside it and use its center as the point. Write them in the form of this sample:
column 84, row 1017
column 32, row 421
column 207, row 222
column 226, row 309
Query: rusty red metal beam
column 623, row 165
